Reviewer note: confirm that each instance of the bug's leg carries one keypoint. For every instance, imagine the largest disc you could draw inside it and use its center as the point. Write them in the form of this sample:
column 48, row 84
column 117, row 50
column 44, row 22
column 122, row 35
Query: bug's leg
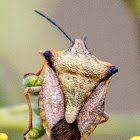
column 38, row 72
column 40, row 69
column 26, row 91
column 106, row 117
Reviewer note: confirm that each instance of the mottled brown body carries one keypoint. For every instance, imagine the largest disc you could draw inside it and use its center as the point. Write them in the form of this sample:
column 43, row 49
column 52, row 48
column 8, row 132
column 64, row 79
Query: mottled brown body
column 79, row 73
column 80, row 79
column 72, row 97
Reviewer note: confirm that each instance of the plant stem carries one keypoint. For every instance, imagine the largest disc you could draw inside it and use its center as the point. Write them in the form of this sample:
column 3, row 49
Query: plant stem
column 14, row 117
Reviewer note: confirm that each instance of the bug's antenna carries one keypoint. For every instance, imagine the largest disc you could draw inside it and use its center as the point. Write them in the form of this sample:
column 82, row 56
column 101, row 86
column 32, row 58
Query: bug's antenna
column 54, row 24
column 84, row 40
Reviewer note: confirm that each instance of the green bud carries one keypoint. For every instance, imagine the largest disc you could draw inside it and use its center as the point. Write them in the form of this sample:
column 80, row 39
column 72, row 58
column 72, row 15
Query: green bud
column 33, row 134
column 31, row 81
column 35, row 107
column 37, row 131
column 35, row 81
column 37, row 123
column 26, row 82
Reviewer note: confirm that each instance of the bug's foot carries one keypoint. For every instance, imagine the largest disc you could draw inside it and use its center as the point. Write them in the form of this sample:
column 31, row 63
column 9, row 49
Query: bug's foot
column 25, row 134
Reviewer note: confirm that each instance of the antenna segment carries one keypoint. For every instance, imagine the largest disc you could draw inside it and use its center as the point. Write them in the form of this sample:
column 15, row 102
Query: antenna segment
column 54, row 24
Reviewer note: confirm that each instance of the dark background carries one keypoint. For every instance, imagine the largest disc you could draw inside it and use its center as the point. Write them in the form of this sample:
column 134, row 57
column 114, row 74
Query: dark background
column 112, row 36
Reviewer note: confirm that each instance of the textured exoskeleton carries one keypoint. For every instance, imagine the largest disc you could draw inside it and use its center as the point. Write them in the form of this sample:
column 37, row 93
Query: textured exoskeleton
column 71, row 99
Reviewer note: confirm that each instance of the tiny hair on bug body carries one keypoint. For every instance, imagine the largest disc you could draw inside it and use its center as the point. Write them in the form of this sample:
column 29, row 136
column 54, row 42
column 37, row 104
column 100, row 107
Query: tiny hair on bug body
column 73, row 91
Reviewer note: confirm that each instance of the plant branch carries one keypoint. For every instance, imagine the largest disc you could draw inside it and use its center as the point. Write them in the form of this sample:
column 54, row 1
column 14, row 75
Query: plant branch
column 14, row 117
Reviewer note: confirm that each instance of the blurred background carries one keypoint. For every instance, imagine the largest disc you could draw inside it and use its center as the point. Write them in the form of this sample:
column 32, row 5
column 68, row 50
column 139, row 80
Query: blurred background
column 113, row 35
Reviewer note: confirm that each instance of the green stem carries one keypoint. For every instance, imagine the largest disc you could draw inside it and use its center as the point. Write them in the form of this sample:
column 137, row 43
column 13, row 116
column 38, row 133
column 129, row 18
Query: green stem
column 15, row 117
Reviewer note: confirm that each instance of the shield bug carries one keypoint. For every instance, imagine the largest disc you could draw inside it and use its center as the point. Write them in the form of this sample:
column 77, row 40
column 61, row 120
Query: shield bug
column 73, row 92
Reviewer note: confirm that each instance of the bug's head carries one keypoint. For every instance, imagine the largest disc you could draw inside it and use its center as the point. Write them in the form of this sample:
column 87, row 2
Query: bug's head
column 78, row 47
